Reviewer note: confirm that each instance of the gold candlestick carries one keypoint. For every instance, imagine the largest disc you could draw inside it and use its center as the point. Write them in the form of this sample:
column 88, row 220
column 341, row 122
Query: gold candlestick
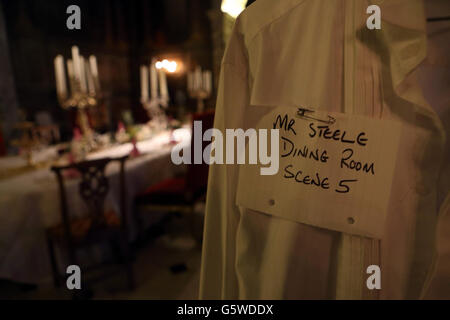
column 84, row 89
column 200, row 86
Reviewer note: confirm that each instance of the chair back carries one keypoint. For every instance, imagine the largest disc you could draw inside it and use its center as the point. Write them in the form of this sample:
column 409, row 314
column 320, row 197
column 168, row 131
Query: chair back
column 93, row 189
column 197, row 175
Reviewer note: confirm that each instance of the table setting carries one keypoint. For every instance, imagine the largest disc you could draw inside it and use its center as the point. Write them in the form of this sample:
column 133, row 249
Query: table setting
column 29, row 194
column 29, row 200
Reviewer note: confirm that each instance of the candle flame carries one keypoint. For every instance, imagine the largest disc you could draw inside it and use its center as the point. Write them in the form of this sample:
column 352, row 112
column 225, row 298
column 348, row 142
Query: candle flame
column 169, row 66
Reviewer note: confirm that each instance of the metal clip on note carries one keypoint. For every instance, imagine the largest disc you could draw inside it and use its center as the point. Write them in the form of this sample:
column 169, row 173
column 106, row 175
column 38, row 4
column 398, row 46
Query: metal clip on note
column 301, row 112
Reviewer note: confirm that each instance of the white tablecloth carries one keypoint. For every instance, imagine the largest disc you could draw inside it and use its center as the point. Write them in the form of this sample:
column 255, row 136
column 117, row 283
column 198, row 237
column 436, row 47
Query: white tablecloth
column 30, row 202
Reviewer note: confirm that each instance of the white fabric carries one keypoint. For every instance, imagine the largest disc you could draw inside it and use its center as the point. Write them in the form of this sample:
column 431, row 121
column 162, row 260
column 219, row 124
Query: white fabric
column 319, row 54
column 30, row 202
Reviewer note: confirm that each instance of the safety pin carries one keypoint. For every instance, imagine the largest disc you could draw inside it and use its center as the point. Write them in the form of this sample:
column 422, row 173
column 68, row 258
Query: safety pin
column 301, row 113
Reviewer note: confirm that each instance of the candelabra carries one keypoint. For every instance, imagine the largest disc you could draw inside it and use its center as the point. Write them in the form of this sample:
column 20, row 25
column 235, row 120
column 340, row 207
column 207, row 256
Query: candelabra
column 155, row 110
column 200, row 95
column 84, row 89
column 200, row 87
column 157, row 101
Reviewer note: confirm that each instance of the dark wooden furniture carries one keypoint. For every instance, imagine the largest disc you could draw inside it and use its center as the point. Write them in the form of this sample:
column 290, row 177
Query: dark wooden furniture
column 97, row 226
column 178, row 194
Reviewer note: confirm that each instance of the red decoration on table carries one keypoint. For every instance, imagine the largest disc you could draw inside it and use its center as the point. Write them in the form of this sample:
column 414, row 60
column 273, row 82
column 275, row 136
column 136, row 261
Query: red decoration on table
column 77, row 134
column 120, row 127
column 135, row 151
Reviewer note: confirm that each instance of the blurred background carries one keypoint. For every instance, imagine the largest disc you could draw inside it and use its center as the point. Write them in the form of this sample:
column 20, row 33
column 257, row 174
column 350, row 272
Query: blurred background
column 122, row 35
column 99, row 108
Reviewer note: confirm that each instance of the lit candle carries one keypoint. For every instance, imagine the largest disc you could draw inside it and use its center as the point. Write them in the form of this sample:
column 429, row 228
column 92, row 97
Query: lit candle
column 207, row 81
column 76, row 63
column 71, row 74
column 90, row 78
column 198, row 78
column 60, row 76
column 163, row 84
column 94, row 71
column 144, row 84
column 83, row 83
column 153, row 80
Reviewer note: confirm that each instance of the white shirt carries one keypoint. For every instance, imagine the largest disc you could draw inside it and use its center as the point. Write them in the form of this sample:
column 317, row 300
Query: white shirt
column 320, row 53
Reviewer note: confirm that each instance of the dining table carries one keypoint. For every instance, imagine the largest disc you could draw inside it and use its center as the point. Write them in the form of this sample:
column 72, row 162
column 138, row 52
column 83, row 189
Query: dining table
column 30, row 201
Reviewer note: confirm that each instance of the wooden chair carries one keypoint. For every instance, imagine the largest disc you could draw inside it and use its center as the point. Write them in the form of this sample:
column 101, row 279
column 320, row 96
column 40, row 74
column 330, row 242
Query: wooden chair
column 97, row 226
column 178, row 194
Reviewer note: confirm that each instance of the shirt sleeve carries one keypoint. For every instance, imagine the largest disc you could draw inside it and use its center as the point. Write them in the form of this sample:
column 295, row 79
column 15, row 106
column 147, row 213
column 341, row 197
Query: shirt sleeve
column 218, row 275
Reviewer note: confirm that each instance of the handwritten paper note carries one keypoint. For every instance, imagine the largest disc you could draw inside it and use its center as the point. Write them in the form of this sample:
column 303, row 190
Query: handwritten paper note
column 336, row 176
